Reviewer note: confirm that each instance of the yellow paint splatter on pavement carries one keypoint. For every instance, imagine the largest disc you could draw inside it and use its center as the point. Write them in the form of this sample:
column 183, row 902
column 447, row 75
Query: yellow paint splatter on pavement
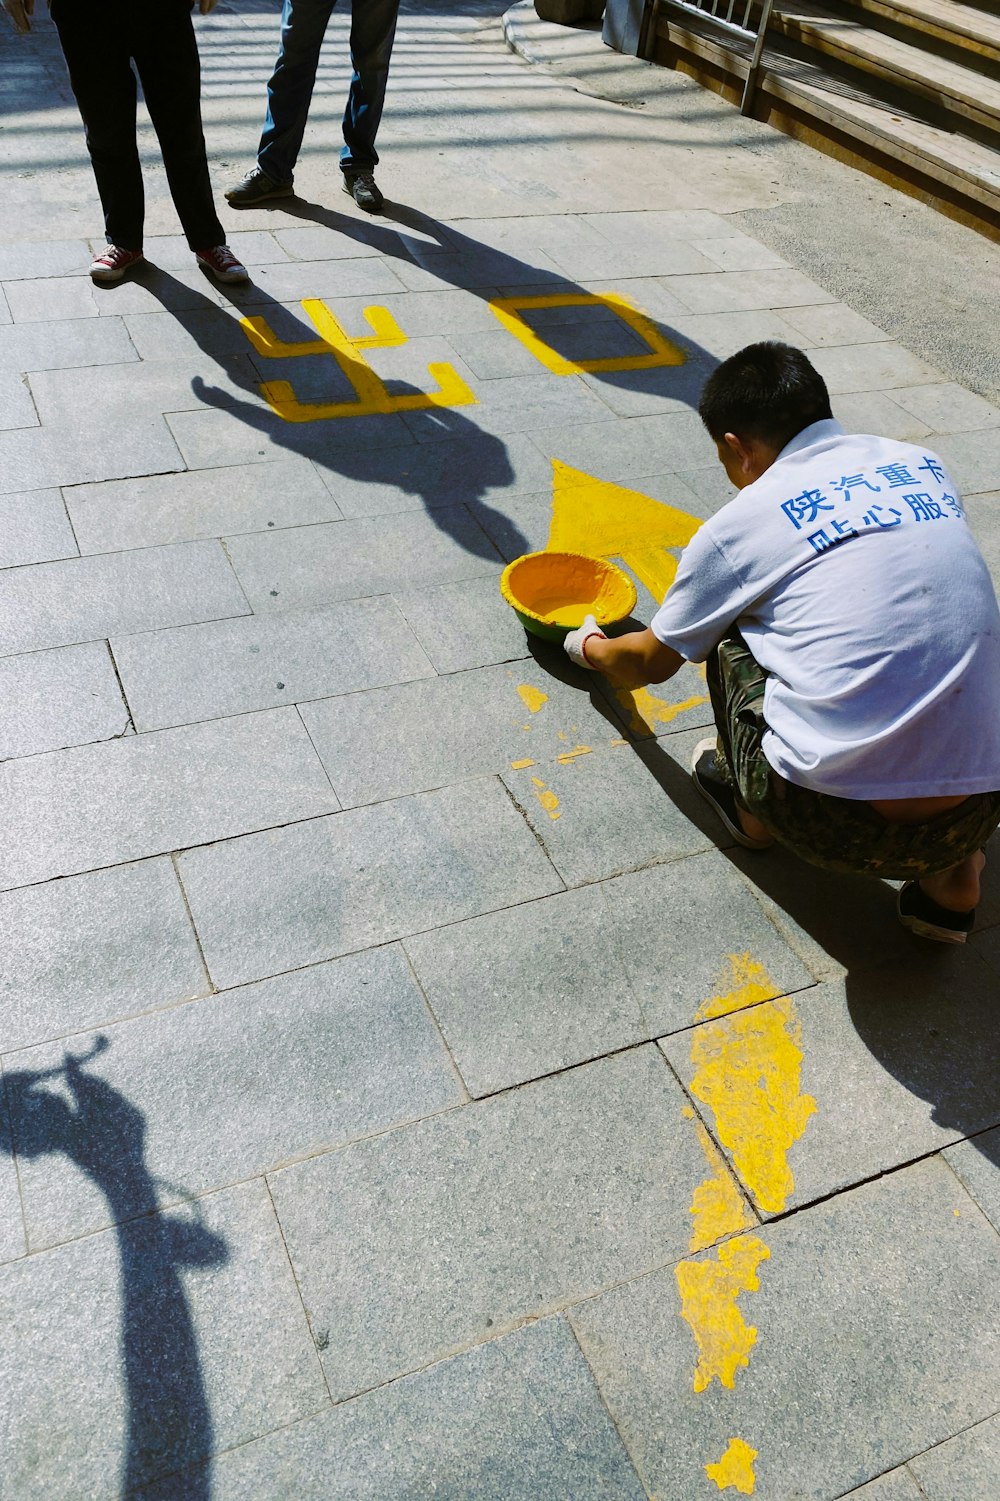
column 532, row 698
column 645, row 711
column 746, row 983
column 520, row 765
column 574, row 754
column 546, row 797
column 735, row 1468
column 709, row 1291
column 747, row 1071
column 717, row 1208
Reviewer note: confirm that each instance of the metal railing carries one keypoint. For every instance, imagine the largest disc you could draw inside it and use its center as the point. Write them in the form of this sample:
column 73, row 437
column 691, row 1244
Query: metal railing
column 731, row 17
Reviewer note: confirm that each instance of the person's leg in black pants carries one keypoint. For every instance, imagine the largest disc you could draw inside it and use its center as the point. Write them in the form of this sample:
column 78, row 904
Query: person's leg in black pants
column 97, row 56
column 166, row 55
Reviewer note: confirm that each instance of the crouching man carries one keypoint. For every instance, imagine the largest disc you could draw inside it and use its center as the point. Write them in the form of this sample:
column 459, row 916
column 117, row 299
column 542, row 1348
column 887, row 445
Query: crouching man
column 851, row 637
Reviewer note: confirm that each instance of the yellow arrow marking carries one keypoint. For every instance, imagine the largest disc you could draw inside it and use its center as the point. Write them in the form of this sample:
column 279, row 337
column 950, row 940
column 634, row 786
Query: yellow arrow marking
column 607, row 521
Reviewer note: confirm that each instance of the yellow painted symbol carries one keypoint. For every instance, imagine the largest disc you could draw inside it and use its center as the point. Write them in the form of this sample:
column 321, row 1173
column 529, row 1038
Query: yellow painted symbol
column 717, row 1208
column 532, row 698
column 607, row 521
column 709, row 1291
column 546, row 797
column 747, row 1070
column 660, row 350
column 371, row 394
column 735, row 1468
column 520, row 765
column 745, row 983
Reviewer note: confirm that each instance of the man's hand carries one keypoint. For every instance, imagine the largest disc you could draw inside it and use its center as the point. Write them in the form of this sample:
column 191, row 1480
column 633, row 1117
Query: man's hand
column 574, row 642
column 20, row 12
column 206, row 7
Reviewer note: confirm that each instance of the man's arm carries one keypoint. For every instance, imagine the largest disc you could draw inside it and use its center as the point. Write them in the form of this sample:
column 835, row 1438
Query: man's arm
column 635, row 660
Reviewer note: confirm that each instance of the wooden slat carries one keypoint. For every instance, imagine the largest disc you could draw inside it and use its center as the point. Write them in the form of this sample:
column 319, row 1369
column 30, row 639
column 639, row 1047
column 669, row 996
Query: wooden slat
column 966, row 26
column 950, row 85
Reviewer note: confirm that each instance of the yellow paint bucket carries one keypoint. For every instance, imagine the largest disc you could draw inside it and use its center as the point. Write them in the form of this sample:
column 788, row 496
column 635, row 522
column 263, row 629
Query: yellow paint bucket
column 551, row 593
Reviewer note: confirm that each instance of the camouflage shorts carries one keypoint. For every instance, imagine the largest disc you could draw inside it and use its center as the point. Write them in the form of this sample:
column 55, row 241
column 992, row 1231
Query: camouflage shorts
column 835, row 833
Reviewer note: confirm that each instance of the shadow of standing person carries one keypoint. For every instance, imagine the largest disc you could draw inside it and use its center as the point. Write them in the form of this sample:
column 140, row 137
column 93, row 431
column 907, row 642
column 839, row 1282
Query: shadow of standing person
column 168, row 1421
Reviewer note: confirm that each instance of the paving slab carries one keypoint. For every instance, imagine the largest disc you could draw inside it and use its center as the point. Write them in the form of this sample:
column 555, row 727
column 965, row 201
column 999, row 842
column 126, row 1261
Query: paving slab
column 692, row 936
column 13, row 1243
column 67, row 344
column 34, row 528
column 897, row 1485
column 891, row 1358
column 529, row 991
column 834, row 323
column 977, row 1163
column 259, row 1077
column 622, row 451
column 514, row 1206
column 87, row 599
column 314, row 565
column 513, row 1420
column 53, row 699
column 43, row 258
column 184, row 1331
column 176, row 677
column 741, row 291
column 91, row 949
column 966, row 1465
column 164, row 508
column 948, row 408
column 88, row 446
column 49, row 299
column 76, row 810
column 149, row 389
column 871, row 367
column 17, row 409
column 463, row 625
column 875, row 412
column 411, row 737
column 603, row 814
column 864, row 1075
column 334, row 885
column 363, row 276
column 973, row 458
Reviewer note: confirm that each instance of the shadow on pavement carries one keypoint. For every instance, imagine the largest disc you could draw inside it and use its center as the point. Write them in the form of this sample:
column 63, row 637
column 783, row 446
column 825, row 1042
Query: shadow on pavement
column 168, row 1420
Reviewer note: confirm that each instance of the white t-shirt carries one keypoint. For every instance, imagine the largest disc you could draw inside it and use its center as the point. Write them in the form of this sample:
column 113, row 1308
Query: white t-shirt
column 852, row 574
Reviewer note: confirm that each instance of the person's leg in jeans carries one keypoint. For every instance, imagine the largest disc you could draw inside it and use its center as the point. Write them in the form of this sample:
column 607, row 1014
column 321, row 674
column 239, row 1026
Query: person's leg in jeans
column 97, row 55
column 373, row 29
column 289, row 92
column 166, row 56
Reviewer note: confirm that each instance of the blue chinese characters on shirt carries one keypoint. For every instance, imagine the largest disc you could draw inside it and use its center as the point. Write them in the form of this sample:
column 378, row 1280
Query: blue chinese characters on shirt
column 846, row 507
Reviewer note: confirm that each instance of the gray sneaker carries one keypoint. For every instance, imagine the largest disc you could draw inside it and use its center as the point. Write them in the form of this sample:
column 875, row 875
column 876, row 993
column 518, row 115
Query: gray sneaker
column 363, row 188
column 257, row 186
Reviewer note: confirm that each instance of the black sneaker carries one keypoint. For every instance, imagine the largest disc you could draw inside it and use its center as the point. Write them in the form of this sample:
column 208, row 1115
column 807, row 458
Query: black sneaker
column 720, row 795
column 363, row 188
column 926, row 919
column 257, row 186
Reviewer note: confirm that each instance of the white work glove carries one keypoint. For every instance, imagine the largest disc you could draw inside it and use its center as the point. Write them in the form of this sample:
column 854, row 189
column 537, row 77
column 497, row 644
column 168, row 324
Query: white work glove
column 574, row 642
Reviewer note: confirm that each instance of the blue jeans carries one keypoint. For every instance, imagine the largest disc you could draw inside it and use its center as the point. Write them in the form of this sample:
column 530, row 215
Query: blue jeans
column 289, row 93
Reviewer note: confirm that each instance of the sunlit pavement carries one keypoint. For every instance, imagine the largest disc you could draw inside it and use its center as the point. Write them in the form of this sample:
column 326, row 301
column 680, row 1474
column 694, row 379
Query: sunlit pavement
column 407, row 1092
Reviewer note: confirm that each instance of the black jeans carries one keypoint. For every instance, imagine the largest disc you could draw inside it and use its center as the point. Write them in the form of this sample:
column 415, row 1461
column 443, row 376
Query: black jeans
column 100, row 40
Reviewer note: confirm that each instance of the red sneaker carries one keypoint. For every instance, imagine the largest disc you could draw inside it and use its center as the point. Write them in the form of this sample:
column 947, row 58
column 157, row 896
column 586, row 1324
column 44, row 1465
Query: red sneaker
column 222, row 263
column 113, row 262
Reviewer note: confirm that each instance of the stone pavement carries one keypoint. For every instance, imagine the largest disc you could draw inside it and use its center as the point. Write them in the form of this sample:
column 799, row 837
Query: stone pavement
column 407, row 1095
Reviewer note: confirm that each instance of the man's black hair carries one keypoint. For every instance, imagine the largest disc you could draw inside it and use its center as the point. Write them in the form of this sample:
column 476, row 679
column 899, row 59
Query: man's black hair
column 766, row 391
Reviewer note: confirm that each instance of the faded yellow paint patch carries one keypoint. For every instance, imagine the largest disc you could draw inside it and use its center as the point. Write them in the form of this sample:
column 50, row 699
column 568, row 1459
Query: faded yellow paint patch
column 645, row 711
column 748, row 1071
column 532, row 698
column 607, row 521
column 717, row 1208
column 735, row 1468
column 746, row 983
column 574, row 754
column 546, row 797
column 709, row 1291
column 520, row 765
